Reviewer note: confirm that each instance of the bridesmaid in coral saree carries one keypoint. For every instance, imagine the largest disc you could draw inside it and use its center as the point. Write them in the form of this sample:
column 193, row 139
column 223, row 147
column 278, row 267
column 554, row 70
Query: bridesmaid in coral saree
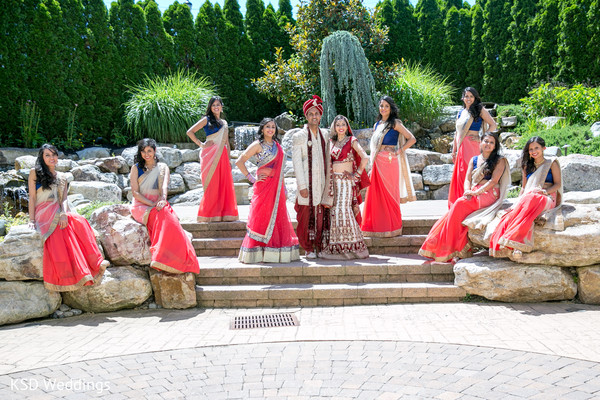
column 542, row 191
column 171, row 249
column 471, row 119
column 270, row 235
column 72, row 258
column 488, row 177
column 391, row 183
column 218, row 202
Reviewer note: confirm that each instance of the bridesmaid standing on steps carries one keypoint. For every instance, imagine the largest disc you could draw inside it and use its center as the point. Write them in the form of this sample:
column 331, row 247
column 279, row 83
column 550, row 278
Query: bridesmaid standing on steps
column 218, row 202
column 391, row 183
column 71, row 256
column 470, row 121
column 270, row 235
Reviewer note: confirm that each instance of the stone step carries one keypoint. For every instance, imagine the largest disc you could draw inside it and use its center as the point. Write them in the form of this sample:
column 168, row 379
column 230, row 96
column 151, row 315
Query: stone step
column 398, row 268
column 340, row 294
column 229, row 247
column 411, row 226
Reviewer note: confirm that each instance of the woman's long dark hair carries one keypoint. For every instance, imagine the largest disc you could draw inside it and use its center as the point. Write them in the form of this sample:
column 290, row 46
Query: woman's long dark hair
column 391, row 121
column 477, row 106
column 142, row 144
column 527, row 162
column 333, row 133
column 43, row 176
column 261, row 135
column 212, row 119
column 494, row 156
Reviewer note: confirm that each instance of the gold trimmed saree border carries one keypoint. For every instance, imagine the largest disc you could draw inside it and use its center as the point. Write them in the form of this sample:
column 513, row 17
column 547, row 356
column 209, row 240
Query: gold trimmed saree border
column 224, row 136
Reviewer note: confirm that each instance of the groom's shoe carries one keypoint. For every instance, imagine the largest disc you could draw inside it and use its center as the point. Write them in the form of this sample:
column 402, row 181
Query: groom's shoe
column 311, row 255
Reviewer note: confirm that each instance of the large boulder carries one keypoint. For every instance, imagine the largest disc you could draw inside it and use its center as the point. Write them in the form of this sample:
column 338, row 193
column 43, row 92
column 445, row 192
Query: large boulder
column 549, row 122
column 417, row 181
column 125, row 241
column 120, row 288
column 176, row 185
column 288, row 170
column 173, row 290
column 285, row 121
column 291, row 187
column 20, row 301
column 91, row 173
column 508, row 122
column 448, row 124
column 287, row 143
column 191, row 197
column 364, row 137
column 97, row 191
column 191, row 174
column 116, row 165
column 438, row 175
column 595, row 129
column 441, row 193
column 442, row 144
column 21, row 255
column 93, row 152
column 419, row 159
column 171, row 157
column 503, row 280
column 580, row 172
column 188, row 155
column 576, row 245
column 8, row 155
column 588, row 284
column 128, row 154
column 25, row 162
column 65, row 165
column 592, row 197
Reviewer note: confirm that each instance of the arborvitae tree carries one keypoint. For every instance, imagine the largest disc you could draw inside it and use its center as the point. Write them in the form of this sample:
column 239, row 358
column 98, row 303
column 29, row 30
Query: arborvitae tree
column 519, row 50
column 233, row 15
column 476, row 50
column 431, row 32
column 385, row 16
column 254, row 14
column 207, row 47
column 104, row 90
column 573, row 57
column 47, row 73
column 285, row 10
column 16, row 19
column 129, row 27
column 160, row 43
column 407, row 43
column 496, row 20
column 594, row 41
column 456, row 46
column 448, row 4
column 179, row 23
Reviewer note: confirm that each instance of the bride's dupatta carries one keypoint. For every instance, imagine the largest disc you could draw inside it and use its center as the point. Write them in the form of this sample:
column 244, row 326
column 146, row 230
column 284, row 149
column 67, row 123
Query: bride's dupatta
column 150, row 184
column 210, row 156
column 481, row 218
column 262, row 217
column 405, row 185
column 48, row 206
column 553, row 218
column 463, row 123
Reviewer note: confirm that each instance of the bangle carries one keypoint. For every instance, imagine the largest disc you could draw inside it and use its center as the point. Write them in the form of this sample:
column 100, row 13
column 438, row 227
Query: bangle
column 250, row 178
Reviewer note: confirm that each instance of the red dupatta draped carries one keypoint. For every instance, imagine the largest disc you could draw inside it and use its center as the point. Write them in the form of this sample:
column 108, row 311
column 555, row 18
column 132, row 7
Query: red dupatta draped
column 270, row 235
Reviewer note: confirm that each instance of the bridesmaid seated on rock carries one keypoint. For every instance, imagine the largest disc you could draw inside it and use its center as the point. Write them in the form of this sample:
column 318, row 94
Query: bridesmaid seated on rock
column 171, row 249
column 72, row 258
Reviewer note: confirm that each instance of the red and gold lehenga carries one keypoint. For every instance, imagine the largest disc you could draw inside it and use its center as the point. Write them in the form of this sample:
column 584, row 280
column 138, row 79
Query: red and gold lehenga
column 171, row 249
column 515, row 230
column 71, row 256
column 391, row 185
column 218, row 202
column 270, row 235
column 345, row 237
column 448, row 237
column 468, row 147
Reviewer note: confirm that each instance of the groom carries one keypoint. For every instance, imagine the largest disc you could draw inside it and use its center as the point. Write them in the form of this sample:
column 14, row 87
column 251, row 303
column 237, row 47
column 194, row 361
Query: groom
column 310, row 156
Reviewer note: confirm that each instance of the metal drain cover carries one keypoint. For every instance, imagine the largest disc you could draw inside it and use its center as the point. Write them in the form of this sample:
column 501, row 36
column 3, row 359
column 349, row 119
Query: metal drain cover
column 264, row 321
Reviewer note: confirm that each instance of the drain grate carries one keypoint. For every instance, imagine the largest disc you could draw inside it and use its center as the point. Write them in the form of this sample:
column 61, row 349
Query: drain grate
column 264, row 321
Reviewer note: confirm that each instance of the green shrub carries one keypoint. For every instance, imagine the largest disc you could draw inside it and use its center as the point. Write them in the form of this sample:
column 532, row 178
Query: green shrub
column 579, row 104
column 163, row 108
column 512, row 110
column 86, row 211
column 420, row 93
column 578, row 137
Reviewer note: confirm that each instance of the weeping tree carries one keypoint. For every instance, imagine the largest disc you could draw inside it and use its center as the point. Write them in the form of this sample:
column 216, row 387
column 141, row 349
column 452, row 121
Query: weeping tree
column 343, row 58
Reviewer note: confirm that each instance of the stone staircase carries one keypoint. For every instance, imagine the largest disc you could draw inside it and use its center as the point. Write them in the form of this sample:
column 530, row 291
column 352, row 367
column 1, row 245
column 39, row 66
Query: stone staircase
column 393, row 274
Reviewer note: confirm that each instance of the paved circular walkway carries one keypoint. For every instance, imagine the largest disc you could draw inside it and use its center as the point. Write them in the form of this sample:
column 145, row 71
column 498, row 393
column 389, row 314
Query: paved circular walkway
column 316, row 370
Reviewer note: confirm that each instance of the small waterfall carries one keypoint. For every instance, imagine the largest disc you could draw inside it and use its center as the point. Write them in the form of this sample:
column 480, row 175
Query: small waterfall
column 13, row 200
column 244, row 136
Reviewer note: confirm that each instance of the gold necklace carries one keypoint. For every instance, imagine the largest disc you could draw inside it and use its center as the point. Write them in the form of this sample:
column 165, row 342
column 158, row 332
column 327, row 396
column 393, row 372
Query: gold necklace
column 538, row 164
